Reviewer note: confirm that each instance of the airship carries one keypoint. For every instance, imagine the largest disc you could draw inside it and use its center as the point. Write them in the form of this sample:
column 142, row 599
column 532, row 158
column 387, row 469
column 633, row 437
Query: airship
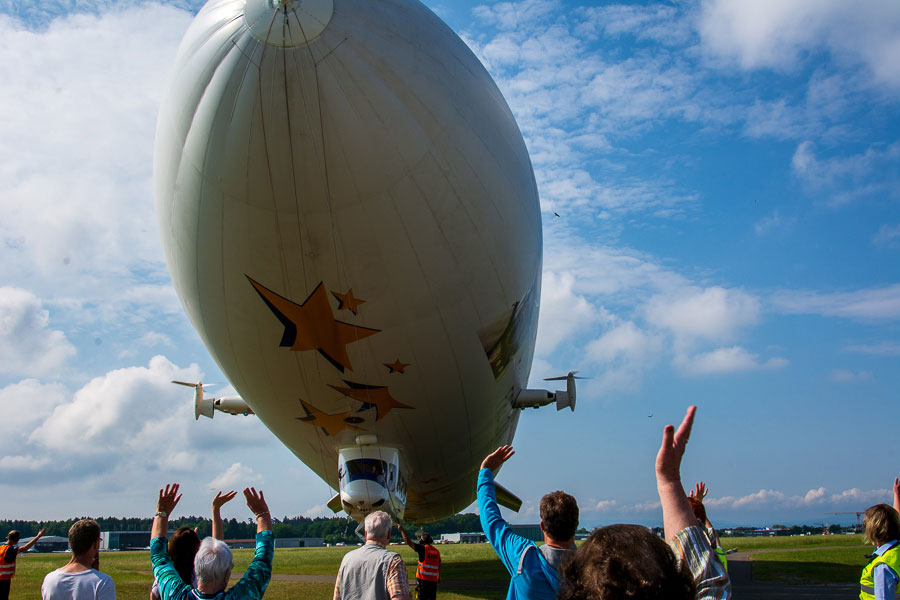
column 350, row 219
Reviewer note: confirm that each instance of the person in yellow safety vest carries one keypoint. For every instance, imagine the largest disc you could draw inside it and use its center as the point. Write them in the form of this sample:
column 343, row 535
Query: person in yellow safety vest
column 8, row 553
column 880, row 577
column 428, row 571
column 695, row 497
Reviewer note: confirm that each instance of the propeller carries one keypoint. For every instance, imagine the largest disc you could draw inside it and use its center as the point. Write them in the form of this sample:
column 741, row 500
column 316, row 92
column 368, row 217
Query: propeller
column 563, row 377
column 202, row 406
column 566, row 398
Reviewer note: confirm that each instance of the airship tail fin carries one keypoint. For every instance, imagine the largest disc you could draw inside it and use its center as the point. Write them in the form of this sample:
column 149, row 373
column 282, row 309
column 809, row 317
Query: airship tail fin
column 507, row 498
column 335, row 503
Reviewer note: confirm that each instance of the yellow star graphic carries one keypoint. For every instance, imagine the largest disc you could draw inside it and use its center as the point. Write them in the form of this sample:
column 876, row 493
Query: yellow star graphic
column 312, row 326
column 332, row 424
column 371, row 396
column 396, row 367
column 348, row 301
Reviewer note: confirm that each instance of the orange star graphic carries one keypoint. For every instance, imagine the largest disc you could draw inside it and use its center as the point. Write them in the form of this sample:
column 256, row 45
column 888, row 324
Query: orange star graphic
column 331, row 424
column 396, row 367
column 312, row 326
column 378, row 397
column 348, row 301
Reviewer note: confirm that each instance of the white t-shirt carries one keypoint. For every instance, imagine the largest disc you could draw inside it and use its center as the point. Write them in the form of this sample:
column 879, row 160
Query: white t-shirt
column 78, row 586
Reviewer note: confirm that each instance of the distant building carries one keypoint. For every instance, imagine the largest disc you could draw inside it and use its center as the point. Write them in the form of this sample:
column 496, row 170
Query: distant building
column 126, row 540
column 308, row 542
column 531, row 532
column 48, row 543
column 463, row 538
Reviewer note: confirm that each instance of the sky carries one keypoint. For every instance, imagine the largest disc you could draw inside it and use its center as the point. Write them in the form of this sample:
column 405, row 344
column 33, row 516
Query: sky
column 727, row 180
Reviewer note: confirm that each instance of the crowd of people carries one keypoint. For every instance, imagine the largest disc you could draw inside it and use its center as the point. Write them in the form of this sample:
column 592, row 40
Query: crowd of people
column 614, row 562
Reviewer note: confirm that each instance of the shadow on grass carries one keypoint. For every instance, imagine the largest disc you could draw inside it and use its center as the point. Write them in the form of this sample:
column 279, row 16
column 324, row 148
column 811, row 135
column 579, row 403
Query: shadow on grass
column 486, row 579
column 805, row 572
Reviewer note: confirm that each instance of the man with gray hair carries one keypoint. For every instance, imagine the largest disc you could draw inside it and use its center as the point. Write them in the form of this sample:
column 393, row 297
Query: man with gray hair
column 372, row 572
column 213, row 562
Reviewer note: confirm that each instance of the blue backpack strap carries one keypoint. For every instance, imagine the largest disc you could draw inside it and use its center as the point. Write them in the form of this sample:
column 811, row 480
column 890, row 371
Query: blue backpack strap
column 522, row 557
column 549, row 572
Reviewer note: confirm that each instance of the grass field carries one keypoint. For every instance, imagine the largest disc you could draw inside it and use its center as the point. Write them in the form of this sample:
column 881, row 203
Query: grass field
column 469, row 571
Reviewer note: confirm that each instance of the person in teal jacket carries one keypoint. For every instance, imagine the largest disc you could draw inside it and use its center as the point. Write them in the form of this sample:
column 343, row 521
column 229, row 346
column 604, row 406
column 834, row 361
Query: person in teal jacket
column 534, row 570
column 213, row 562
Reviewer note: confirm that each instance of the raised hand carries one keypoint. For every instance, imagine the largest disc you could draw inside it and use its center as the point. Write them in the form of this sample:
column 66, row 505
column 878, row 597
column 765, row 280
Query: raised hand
column 701, row 492
column 256, row 501
column 221, row 499
column 674, row 443
column 168, row 498
column 496, row 458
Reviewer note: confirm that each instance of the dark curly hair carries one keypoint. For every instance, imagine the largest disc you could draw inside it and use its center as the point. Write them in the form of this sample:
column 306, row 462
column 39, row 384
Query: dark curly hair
column 559, row 512
column 620, row 562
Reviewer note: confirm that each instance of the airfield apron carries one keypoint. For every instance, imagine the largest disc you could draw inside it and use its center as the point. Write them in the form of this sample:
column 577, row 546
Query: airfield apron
column 891, row 558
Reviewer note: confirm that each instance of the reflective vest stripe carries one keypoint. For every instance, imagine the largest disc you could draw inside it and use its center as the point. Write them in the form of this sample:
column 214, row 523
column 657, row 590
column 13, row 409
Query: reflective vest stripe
column 429, row 569
column 870, row 590
column 7, row 570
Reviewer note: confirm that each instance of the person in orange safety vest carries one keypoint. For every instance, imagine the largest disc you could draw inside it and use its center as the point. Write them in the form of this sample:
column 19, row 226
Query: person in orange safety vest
column 8, row 553
column 428, row 572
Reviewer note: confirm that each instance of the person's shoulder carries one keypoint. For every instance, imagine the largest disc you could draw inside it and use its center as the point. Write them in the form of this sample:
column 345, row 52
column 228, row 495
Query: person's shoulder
column 104, row 577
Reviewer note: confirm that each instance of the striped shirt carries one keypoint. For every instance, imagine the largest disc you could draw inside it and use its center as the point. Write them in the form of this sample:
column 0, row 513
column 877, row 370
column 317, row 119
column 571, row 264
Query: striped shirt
column 691, row 546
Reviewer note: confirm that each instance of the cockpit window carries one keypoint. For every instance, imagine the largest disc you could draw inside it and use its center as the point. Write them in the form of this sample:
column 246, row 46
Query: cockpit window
column 367, row 468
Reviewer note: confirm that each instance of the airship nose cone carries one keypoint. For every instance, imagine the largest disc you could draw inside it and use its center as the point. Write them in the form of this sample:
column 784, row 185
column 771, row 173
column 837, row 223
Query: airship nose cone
column 287, row 23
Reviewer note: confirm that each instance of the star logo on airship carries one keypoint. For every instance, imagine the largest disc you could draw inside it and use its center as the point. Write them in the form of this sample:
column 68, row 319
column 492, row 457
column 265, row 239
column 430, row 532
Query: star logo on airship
column 396, row 367
column 372, row 396
column 331, row 424
column 312, row 326
column 348, row 301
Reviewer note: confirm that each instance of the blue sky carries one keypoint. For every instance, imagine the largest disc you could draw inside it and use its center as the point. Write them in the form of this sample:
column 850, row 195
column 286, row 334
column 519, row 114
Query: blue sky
column 728, row 182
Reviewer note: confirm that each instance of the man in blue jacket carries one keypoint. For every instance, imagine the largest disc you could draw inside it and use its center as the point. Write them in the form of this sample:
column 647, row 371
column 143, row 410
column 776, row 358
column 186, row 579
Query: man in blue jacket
column 534, row 571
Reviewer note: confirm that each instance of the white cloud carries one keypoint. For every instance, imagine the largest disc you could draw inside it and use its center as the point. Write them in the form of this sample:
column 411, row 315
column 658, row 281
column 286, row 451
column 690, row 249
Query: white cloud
column 626, row 342
column 773, row 499
column 126, row 408
column 881, row 303
column 11, row 464
column 886, row 348
column 711, row 314
column 846, row 178
column 601, row 505
column 563, row 311
column 319, row 510
column 780, row 35
column 847, row 376
column 28, row 346
column 27, row 403
column 776, row 221
column 888, row 235
column 727, row 360
column 237, row 477
column 77, row 202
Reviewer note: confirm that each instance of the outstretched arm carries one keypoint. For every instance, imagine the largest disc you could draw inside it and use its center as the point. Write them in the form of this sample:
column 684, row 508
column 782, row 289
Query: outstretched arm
column 405, row 537
column 27, row 546
column 677, row 513
column 218, row 529
column 257, row 503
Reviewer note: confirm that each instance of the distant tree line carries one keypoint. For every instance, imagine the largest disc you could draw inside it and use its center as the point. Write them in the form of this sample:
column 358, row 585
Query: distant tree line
column 332, row 530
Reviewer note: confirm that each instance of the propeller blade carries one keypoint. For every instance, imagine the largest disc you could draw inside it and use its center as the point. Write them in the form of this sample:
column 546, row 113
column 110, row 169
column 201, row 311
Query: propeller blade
column 185, row 383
